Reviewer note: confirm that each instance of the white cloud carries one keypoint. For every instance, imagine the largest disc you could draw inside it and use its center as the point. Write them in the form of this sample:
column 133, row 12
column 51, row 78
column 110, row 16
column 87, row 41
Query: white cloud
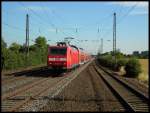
column 141, row 7
column 128, row 4
column 37, row 8
column 139, row 13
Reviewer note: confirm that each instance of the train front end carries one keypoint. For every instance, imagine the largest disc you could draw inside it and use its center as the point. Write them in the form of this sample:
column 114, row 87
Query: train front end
column 57, row 57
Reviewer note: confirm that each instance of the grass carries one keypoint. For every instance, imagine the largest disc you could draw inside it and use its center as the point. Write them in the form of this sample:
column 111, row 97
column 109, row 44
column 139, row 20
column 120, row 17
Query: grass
column 144, row 75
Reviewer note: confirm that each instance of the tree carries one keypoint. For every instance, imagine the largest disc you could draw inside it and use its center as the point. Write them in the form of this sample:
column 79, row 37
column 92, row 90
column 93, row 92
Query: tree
column 33, row 48
column 40, row 42
column 22, row 48
column 15, row 57
column 119, row 55
column 15, row 47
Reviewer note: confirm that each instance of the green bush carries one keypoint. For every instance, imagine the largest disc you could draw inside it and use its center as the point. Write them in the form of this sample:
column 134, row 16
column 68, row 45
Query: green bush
column 120, row 63
column 111, row 63
column 107, row 61
column 133, row 68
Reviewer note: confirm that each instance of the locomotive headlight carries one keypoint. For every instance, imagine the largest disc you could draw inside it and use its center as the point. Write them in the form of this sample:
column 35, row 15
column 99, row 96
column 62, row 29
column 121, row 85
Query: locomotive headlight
column 51, row 59
column 63, row 59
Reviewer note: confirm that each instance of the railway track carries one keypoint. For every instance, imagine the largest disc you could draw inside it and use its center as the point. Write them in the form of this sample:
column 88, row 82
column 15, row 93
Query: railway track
column 130, row 97
column 10, row 80
column 22, row 94
column 12, row 101
column 18, row 75
column 134, row 83
column 87, row 92
column 18, row 84
column 24, row 78
column 28, row 97
column 104, row 98
column 34, row 96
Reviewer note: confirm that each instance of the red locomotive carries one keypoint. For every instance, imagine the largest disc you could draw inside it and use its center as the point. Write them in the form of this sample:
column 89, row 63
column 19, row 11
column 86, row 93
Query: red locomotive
column 65, row 56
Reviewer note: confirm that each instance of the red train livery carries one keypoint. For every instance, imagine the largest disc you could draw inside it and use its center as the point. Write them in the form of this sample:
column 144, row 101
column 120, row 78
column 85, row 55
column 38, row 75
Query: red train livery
column 65, row 56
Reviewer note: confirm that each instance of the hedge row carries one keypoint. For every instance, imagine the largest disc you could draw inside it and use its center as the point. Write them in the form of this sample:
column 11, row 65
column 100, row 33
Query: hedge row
column 14, row 56
column 15, row 60
column 132, row 66
column 111, row 63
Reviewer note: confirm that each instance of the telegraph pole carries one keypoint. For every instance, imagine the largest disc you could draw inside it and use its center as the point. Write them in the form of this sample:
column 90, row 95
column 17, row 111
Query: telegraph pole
column 114, row 39
column 27, row 37
column 101, row 47
column 114, row 35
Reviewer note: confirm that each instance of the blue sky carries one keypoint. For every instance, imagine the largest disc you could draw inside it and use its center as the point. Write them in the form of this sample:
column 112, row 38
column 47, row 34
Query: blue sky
column 87, row 17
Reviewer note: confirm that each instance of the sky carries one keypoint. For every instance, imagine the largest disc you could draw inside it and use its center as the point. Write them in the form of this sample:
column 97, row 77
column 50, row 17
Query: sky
column 86, row 22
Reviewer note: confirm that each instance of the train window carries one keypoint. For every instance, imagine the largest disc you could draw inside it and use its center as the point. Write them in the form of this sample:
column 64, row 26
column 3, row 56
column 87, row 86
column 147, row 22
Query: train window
column 58, row 51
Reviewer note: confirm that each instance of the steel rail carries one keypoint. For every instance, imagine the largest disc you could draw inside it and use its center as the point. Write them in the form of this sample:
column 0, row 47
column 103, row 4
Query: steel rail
column 130, row 97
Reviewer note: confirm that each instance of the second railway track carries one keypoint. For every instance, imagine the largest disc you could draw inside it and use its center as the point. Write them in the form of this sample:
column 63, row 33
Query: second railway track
column 131, row 98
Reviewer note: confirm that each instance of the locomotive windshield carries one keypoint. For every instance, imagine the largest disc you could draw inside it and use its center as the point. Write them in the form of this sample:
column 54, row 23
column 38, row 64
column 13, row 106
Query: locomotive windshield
column 58, row 51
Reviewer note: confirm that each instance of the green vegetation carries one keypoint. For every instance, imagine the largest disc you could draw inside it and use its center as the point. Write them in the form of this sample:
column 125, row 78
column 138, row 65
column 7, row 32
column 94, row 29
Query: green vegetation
column 14, row 57
column 120, row 63
column 132, row 65
column 133, row 68
column 109, row 61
